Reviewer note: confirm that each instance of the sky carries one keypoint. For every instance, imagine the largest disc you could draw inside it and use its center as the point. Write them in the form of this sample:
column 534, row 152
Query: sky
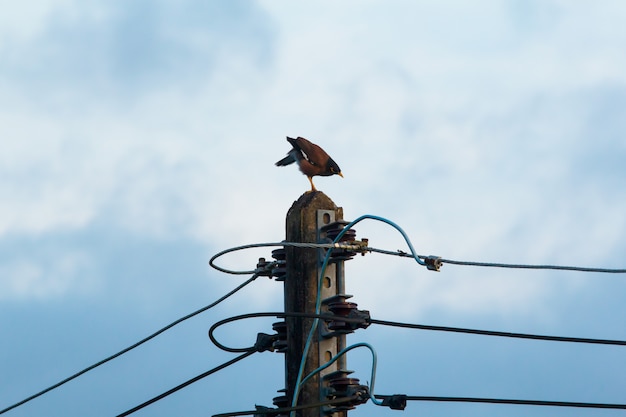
column 139, row 139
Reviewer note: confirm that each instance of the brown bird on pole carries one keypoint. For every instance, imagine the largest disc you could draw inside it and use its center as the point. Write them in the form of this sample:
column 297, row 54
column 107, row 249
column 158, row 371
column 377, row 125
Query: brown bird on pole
column 311, row 159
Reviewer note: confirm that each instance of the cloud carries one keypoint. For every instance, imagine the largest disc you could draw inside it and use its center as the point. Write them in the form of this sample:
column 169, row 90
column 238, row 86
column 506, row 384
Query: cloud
column 481, row 143
column 138, row 139
column 23, row 278
column 107, row 106
column 119, row 49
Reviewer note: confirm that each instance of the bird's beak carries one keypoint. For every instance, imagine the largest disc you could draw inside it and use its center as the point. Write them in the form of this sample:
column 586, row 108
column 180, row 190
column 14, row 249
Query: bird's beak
column 340, row 174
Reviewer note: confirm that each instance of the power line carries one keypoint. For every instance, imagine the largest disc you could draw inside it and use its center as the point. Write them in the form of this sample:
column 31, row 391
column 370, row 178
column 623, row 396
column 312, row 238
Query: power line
column 506, row 401
column 276, row 244
column 499, row 333
column 186, row 383
column 401, row 399
column 367, row 321
column 284, row 410
column 441, row 260
column 434, row 262
column 318, row 305
column 343, row 352
column 128, row 349
column 523, row 266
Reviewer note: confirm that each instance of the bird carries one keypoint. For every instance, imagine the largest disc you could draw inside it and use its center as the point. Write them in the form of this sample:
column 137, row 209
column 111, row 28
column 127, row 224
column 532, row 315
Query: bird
column 311, row 159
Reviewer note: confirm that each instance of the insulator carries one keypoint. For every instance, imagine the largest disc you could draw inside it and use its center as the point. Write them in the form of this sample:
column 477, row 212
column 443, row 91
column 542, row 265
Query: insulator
column 341, row 386
column 282, row 401
column 359, row 319
column 348, row 236
column 343, row 309
column 332, row 230
column 279, row 254
column 280, row 327
column 280, row 270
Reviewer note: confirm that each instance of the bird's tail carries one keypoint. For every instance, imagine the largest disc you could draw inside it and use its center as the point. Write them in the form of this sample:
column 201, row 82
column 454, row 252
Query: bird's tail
column 289, row 159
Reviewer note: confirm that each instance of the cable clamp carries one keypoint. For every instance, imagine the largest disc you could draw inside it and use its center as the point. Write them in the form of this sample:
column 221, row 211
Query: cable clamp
column 265, row 342
column 395, row 402
column 264, row 268
column 263, row 411
column 363, row 316
column 433, row 263
column 354, row 245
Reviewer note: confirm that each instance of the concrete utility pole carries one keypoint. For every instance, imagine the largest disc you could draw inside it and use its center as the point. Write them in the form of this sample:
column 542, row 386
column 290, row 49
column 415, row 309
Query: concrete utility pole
column 304, row 223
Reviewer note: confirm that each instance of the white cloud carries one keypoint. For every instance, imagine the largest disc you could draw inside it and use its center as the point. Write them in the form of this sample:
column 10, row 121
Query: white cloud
column 25, row 279
column 462, row 131
column 139, row 138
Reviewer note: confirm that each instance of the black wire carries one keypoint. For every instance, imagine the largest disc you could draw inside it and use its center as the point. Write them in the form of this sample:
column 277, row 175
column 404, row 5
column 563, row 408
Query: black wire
column 505, row 401
column 185, row 384
column 120, row 353
column 284, row 410
column 270, row 314
column 500, row 334
column 266, row 314
column 403, row 325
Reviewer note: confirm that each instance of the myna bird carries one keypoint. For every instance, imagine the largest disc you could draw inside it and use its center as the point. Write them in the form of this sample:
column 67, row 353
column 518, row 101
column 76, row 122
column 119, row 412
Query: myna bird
column 311, row 159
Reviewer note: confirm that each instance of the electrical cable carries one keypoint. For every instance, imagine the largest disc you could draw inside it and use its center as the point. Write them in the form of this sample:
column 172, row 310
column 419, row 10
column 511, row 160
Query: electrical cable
column 431, row 262
column 499, row 333
column 403, row 325
column 343, row 352
column 185, row 384
column 282, row 410
column 309, row 339
column 432, row 328
column 257, row 315
column 500, row 265
column 511, row 402
column 379, row 399
column 319, row 287
column 418, row 258
column 277, row 244
column 128, row 349
column 421, row 259
column 523, row 266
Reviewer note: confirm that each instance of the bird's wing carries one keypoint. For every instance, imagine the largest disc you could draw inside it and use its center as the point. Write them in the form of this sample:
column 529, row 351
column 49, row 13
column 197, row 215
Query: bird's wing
column 309, row 151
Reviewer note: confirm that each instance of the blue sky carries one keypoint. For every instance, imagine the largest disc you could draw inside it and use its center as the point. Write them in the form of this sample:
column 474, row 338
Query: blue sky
column 140, row 139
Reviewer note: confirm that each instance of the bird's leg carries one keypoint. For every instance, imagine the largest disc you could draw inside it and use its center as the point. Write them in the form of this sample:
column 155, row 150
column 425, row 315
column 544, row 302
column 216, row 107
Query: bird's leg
column 312, row 185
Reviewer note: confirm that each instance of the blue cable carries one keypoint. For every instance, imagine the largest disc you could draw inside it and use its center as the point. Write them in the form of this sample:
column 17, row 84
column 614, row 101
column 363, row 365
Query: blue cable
column 318, row 303
column 343, row 352
column 395, row 226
